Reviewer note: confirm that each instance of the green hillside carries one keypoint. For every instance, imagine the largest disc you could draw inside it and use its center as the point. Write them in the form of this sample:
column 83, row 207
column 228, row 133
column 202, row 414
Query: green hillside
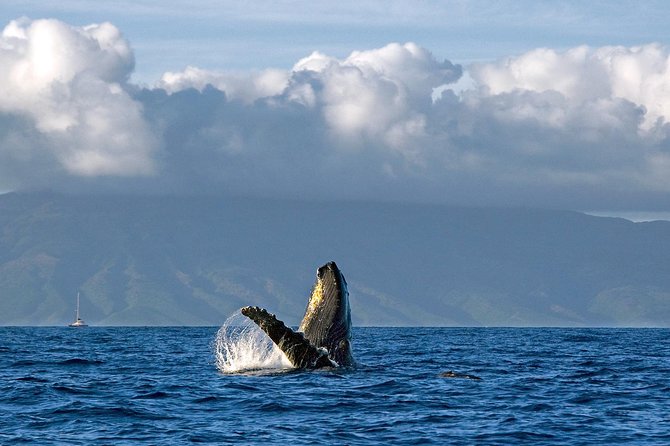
column 194, row 261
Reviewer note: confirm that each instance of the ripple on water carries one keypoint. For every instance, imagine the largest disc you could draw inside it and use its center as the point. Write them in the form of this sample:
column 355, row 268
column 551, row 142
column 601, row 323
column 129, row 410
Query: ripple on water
column 164, row 386
column 151, row 396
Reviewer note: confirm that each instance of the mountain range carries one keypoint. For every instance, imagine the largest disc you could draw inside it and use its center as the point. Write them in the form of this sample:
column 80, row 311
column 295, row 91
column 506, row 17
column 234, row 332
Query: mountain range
column 184, row 260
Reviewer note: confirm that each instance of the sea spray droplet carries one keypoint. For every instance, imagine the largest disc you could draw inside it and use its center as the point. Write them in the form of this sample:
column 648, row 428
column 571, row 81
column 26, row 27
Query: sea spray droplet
column 241, row 346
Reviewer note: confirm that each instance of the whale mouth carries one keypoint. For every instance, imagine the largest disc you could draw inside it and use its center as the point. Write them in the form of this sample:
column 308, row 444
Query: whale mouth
column 330, row 271
column 326, row 269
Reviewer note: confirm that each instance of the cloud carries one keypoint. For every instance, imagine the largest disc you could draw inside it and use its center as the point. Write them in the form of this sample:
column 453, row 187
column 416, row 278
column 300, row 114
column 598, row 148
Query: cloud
column 639, row 74
column 546, row 128
column 372, row 97
column 583, row 128
column 247, row 87
column 598, row 117
column 336, row 129
column 67, row 86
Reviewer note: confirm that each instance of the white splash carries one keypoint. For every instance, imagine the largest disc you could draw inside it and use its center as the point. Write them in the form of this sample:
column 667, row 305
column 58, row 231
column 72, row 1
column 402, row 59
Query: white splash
column 241, row 346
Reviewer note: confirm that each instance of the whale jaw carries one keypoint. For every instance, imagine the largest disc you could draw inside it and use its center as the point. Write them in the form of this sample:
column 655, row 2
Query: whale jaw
column 324, row 336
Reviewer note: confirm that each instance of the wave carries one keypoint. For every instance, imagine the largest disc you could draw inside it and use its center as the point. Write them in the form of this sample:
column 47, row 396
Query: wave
column 151, row 396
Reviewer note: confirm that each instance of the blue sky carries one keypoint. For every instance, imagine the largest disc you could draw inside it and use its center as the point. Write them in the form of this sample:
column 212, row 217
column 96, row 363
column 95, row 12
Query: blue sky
column 506, row 103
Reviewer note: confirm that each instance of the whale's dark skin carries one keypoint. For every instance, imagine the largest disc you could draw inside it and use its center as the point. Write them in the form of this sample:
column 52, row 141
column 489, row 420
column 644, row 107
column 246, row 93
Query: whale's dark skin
column 452, row 374
column 324, row 336
column 297, row 349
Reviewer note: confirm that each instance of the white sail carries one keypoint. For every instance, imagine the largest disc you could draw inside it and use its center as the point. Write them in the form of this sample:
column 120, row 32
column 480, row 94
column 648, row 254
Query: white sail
column 78, row 322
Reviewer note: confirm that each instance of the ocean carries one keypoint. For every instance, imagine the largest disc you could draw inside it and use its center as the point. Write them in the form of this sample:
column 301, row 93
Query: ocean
column 169, row 386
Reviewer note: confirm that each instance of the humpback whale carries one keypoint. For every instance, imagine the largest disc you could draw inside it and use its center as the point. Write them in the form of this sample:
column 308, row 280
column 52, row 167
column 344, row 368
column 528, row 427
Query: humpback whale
column 324, row 336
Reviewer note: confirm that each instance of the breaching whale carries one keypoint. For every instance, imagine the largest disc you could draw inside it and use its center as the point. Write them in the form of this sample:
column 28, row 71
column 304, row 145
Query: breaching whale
column 324, row 336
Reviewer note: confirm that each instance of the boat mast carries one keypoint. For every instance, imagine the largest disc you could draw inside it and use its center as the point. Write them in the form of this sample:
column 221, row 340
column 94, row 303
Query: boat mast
column 77, row 306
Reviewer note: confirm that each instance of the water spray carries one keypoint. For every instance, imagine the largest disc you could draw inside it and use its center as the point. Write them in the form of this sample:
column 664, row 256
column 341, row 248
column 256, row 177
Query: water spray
column 240, row 347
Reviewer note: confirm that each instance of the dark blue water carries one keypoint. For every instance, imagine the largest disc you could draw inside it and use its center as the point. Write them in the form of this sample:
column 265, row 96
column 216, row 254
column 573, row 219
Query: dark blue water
column 161, row 386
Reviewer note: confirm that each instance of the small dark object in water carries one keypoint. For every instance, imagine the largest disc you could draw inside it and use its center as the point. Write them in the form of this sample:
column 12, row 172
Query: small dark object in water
column 452, row 374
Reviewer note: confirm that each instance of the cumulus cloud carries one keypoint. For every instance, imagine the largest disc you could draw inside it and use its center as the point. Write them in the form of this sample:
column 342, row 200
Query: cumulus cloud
column 67, row 85
column 545, row 128
column 582, row 128
column 639, row 74
column 379, row 96
column 338, row 127
column 599, row 115
column 247, row 87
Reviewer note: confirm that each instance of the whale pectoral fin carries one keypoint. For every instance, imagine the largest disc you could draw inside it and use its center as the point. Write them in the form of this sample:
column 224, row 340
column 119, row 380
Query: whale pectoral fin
column 297, row 349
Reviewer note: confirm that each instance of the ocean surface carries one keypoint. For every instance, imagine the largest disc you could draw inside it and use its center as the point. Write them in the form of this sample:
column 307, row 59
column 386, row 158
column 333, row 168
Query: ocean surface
column 129, row 386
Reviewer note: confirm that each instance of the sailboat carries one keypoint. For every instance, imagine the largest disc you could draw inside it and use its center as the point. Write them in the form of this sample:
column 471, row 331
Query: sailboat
column 79, row 322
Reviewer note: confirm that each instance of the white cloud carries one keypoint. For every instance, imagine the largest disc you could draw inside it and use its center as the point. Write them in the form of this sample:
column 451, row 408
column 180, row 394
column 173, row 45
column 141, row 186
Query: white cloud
column 639, row 74
column 379, row 96
column 583, row 118
column 69, row 81
column 243, row 86
column 582, row 128
column 369, row 98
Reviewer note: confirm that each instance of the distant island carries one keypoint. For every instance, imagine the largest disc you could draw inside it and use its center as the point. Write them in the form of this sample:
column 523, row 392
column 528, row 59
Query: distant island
column 160, row 260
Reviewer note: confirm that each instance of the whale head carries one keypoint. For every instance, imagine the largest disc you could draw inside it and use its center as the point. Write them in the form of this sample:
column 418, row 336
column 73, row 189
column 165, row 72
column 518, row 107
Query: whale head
column 327, row 320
